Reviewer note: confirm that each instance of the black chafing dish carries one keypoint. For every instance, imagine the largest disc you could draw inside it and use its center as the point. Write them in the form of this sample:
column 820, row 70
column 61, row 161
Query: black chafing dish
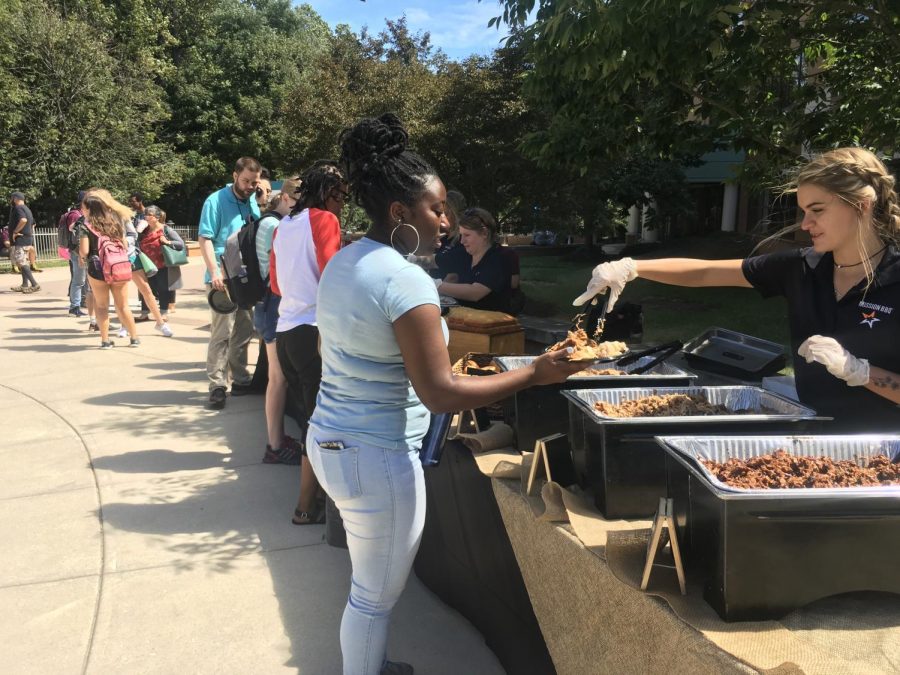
column 763, row 553
column 621, row 462
column 540, row 411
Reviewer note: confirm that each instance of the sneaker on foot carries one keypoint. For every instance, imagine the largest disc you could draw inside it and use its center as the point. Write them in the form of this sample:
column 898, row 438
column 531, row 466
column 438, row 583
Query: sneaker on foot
column 164, row 329
column 93, row 325
column 75, row 311
column 283, row 455
column 134, row 342
column 217, row 398
column 123, row 332
column 109, row 344
column 31, row 289
column 238, row 389
column 17, row 289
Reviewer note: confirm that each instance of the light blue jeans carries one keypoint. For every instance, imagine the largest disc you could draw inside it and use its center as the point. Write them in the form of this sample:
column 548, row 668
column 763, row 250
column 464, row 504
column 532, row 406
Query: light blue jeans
column 78, row 286
column 381, row 496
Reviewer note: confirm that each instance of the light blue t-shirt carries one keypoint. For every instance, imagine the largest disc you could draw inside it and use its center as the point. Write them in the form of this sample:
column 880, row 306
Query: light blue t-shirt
column 365, row 391
column 223, row 215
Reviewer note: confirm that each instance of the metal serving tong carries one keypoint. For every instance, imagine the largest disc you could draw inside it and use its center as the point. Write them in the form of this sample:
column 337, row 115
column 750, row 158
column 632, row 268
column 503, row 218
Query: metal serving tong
column 589, row 310
column 665, row 351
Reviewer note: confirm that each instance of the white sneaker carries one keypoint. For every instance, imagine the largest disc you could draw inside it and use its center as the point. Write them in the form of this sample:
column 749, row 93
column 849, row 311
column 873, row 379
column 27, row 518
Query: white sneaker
column 164, row 329
column 123, row 332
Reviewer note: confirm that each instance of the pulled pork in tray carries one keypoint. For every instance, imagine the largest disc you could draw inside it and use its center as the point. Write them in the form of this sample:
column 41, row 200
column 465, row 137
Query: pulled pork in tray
column 594, row 372
column 666, row 405
column 585, row 348
column 783, row 470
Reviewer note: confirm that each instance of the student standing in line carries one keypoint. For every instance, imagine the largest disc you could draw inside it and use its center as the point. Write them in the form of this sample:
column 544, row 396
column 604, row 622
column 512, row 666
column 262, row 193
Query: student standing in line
column 384, row 366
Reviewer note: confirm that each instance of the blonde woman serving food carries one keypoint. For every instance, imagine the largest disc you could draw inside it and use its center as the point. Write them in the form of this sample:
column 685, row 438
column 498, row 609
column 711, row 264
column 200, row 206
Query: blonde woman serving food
column 843, row 291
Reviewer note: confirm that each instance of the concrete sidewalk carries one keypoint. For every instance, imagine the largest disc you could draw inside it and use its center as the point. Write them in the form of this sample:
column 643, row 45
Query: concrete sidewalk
column 141, row 532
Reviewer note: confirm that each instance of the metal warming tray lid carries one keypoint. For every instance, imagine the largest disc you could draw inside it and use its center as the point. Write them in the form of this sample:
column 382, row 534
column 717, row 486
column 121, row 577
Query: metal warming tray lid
column 661, row 372
column 731, row 353
column 734, row 398
column 859, row 448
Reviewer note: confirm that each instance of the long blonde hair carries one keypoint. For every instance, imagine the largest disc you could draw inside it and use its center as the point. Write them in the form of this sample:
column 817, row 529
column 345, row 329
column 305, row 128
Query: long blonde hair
column 105, row 214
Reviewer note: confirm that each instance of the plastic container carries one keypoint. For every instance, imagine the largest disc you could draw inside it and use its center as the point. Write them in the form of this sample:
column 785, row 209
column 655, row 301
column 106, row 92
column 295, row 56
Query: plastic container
column 727, row 352
column 763, row 553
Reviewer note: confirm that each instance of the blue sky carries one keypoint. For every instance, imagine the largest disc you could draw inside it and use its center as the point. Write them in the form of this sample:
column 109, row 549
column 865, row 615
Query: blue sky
column 458, row 27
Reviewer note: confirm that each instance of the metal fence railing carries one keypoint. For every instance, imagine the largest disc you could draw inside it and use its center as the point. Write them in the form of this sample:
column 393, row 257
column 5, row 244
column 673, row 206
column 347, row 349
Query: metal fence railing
column 186, row 232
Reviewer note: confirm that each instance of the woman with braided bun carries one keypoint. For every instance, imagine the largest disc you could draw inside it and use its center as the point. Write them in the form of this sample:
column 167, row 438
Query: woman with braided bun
column 384, row 367
column 843, row 292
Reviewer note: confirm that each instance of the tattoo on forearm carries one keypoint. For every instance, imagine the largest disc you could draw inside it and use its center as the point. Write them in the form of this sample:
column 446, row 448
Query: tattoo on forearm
column 886, row 382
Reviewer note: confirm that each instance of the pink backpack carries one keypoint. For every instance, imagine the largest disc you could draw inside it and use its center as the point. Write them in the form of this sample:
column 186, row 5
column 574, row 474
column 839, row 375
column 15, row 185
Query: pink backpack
column 114, row 261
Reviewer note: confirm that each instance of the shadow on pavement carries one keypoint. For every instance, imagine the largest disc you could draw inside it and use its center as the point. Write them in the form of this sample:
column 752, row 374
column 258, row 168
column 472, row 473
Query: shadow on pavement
column 160, row 461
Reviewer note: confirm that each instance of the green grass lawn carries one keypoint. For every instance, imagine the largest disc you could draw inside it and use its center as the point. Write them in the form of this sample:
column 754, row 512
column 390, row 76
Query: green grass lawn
column 670, row 312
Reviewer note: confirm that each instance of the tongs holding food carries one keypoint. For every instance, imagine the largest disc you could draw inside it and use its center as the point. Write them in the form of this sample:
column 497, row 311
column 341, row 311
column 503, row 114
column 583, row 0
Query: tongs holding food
column 664, row 352
column 592, row 315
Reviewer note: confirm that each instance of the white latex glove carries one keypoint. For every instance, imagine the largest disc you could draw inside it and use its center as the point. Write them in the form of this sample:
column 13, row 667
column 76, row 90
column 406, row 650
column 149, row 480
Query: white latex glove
column 612, row 275
column 837, row 360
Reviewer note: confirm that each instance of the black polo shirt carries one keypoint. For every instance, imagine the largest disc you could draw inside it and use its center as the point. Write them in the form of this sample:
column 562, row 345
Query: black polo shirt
column 491, row 271
column 866, row 322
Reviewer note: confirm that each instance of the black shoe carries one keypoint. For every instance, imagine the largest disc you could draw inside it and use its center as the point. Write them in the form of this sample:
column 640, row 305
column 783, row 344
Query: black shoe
column 396, row 668
column 243, row 389
column 75, row 311
column 217, row 398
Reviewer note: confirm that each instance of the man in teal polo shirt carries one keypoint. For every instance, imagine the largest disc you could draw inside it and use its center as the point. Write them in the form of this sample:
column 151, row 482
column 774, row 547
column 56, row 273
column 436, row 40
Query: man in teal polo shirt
column 224, row 213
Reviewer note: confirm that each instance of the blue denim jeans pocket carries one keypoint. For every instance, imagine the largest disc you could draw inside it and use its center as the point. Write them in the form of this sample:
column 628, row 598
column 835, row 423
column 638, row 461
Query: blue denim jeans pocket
column 339, row 469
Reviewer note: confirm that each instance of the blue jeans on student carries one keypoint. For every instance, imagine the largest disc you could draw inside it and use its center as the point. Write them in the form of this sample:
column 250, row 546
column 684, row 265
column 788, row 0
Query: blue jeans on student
column 78, row 284
column 381, row 496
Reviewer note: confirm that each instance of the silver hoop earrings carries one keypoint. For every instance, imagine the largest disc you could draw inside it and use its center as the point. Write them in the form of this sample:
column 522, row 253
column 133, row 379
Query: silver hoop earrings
column 400, row 224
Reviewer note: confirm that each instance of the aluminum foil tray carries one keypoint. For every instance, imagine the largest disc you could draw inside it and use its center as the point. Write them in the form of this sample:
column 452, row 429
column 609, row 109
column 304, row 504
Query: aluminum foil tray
column 858, row 448
column 662, row 371
column 735, row 398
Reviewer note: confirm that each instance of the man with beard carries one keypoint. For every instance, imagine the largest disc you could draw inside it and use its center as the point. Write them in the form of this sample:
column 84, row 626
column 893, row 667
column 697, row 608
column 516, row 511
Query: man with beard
column 224, row 213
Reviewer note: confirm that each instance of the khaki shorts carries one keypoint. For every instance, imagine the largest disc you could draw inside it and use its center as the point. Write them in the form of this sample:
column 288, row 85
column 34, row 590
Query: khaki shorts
column 20, row 254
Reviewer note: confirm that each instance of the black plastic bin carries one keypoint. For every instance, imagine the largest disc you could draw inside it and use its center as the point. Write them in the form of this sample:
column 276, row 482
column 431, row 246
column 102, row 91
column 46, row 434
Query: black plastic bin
column 537, row 412
column 764, row 553
column 618, row 458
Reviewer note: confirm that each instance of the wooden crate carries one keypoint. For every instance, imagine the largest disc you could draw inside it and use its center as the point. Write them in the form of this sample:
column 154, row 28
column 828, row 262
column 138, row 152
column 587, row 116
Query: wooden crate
column 462, row 342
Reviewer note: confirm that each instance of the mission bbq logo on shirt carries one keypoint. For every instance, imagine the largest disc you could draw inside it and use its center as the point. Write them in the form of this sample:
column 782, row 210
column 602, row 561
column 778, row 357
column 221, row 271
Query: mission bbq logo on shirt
column 870, row 318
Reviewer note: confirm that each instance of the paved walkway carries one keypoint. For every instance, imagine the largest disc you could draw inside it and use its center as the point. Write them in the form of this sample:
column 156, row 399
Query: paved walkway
column 141, row 532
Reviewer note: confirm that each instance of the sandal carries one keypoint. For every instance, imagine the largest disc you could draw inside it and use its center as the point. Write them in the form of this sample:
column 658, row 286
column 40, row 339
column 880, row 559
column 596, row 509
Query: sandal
column 317, row 517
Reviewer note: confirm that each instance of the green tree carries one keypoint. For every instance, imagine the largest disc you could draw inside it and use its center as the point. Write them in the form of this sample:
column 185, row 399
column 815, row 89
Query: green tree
column 73, row 114
column 772, row 78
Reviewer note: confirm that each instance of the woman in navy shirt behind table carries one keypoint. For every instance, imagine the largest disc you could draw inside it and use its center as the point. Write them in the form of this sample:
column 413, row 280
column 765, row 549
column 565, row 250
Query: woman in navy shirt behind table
column 479, row 273
column 843, row 292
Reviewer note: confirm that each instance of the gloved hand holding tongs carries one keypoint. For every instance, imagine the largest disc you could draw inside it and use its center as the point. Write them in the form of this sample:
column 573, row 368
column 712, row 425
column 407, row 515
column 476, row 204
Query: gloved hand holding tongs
column 609, row 275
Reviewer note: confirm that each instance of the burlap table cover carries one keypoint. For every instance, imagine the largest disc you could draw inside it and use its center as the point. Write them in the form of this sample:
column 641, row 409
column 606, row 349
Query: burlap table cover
column 583, row 577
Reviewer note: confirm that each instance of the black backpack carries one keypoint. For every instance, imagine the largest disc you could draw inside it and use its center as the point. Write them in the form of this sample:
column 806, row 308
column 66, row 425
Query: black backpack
column 240, row 266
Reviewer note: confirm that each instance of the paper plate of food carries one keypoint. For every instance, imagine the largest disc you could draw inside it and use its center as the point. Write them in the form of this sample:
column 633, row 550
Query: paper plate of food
column 584, row 349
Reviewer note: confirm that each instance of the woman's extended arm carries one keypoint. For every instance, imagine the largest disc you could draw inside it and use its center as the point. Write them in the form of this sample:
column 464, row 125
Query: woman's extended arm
column 676, row 271
column 471, row 292
column 427, row 363
column 693, row 272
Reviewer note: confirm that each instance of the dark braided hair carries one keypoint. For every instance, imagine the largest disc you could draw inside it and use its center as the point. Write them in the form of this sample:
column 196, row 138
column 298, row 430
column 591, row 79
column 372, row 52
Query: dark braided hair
column 381, row 169
column 317, row 183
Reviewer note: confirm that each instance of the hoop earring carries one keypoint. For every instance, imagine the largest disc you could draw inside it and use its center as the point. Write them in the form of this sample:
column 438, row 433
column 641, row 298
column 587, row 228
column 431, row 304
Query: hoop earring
column 400, row 224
